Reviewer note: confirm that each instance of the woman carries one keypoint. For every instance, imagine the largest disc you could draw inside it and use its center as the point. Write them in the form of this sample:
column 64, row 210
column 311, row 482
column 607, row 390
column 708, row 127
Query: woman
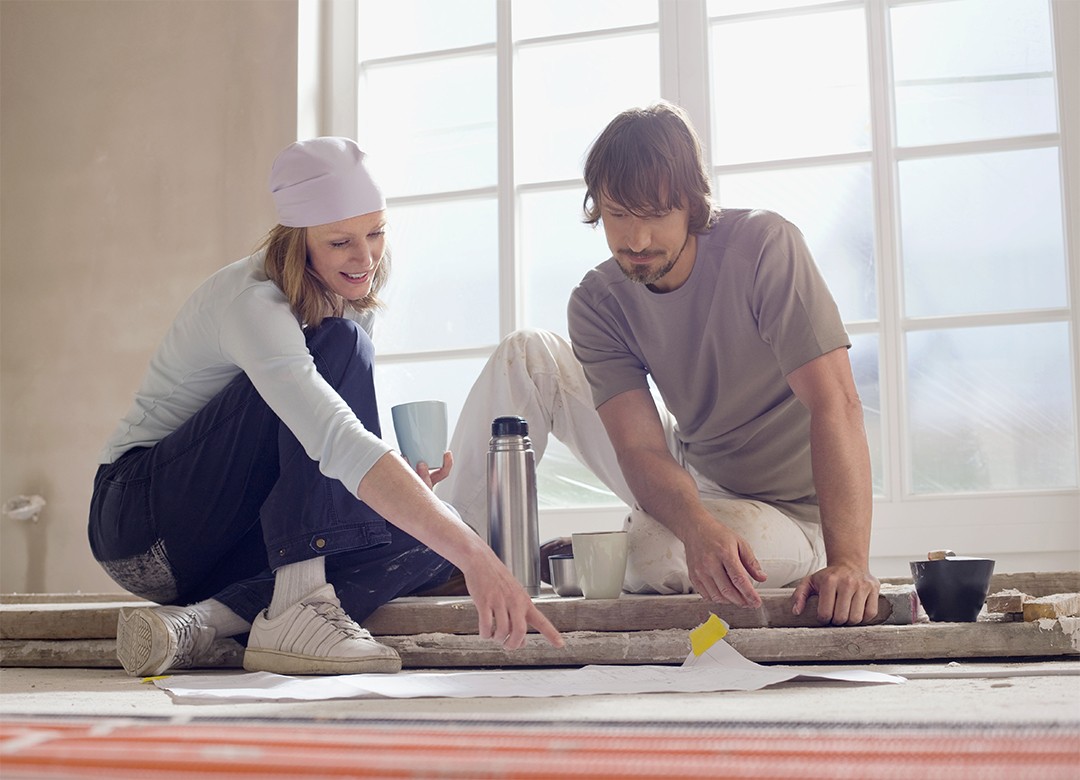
column 248, row 479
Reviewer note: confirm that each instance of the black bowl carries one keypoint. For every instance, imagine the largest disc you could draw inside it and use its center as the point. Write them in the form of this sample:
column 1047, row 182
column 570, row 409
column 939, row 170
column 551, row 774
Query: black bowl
column 952, row 590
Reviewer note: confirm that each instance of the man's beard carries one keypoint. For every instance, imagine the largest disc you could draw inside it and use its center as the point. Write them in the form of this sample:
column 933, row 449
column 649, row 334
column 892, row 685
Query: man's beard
column 647, row 275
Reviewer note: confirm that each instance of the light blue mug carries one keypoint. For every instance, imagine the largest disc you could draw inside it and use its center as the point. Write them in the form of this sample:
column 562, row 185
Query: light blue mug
column 421, row 431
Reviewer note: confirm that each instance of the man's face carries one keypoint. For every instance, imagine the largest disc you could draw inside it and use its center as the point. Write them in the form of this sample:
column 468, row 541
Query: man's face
column 656, row 250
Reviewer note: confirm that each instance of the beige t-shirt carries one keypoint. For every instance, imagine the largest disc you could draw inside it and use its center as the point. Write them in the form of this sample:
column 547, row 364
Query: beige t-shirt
column 754, row 308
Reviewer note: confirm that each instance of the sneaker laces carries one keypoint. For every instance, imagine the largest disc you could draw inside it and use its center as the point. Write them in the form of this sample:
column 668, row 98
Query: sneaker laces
column 337, row 617
column 192, row 640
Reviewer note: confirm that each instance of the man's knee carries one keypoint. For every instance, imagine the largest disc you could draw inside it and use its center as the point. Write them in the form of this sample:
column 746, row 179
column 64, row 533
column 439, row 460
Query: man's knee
column 655, row 559
column 538, row 352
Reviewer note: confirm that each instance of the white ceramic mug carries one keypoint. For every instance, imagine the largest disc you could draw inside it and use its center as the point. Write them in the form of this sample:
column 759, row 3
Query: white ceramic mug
column 421, row 431
column 600, row 561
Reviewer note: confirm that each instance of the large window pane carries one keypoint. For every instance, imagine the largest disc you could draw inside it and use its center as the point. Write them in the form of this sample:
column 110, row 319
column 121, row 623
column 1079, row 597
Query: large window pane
column 972, row 69
column 532, row 19
column 991, row 409
column 442, row 380
column 557, row 249
column 790, row 87
column 866, row 370
column 833, row 207
column 566, row 93
column 982, row 233
column 388, row 29
column 432, row 124
column 562, row 481
column 443, row 290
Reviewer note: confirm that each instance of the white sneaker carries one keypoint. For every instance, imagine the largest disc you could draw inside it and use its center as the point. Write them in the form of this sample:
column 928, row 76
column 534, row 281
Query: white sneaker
column 315, row 636
column 151, row 640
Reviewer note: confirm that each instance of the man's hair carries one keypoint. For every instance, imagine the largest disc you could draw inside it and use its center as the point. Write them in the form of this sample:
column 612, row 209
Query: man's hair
column 649, row 161
column 288, row 267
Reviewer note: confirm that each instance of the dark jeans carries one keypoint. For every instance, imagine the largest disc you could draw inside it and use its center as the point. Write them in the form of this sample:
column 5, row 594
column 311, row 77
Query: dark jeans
column 230, row 495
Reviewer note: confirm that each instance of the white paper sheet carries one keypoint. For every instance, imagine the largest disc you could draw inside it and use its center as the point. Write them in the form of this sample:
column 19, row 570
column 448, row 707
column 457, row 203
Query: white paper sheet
column 720, row 668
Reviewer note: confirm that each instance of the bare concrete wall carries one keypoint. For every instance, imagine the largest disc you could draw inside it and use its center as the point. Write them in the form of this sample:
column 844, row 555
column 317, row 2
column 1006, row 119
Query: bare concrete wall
column 135, row 141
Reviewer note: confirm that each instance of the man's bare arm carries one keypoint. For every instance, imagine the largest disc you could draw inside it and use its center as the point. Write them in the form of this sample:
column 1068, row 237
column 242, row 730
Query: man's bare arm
column 847, row 591
column 721, row 565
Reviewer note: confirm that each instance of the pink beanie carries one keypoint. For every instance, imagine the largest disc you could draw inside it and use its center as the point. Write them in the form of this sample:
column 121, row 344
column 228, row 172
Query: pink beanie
column 323, row 180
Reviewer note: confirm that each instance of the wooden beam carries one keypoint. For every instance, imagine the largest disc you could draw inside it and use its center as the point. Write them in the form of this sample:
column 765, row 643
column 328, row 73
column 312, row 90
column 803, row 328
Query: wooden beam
column 62, row 620
column 857, row 644
column 1033, row 583
column 627, row 613
column 427, row 614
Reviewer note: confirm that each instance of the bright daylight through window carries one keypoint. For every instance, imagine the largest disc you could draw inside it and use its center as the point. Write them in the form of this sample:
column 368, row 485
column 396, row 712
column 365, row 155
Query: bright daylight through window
column 917, row 145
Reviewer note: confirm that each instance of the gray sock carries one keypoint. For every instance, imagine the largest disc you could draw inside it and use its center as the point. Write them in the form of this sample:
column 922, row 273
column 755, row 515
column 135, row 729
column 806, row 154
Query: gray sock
column 293, row 581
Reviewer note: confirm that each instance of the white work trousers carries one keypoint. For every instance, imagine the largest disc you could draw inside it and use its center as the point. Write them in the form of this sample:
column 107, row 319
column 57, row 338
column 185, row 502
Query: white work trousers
column 535, row 375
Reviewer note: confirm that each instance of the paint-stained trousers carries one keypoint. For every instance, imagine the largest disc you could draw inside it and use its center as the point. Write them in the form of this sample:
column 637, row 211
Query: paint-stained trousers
column 534, row 374
column 214, row 507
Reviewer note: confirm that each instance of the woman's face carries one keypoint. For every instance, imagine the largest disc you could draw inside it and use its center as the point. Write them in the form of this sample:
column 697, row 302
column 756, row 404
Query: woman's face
column 346, row 254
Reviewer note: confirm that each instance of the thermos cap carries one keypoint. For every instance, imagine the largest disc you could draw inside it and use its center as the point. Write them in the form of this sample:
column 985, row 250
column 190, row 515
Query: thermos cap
column 509, row 426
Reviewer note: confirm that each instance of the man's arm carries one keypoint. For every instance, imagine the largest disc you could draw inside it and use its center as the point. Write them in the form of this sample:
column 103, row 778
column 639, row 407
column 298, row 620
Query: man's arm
column 721, row 564
column 847, row 591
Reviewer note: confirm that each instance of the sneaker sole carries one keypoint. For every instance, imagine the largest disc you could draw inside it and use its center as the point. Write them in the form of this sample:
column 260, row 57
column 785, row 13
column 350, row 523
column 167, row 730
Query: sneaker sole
column 289, row 663
column 142, row 646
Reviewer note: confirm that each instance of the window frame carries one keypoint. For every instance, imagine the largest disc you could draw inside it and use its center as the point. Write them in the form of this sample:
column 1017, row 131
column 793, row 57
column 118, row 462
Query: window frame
column 1022, row 529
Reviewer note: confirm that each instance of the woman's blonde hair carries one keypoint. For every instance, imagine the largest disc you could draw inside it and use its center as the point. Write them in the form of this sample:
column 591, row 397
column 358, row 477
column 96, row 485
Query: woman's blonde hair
column 649, row 160
column 287, row 264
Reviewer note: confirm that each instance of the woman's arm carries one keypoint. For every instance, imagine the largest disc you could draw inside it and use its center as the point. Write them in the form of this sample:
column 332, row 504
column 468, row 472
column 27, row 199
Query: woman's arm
column 505, row 611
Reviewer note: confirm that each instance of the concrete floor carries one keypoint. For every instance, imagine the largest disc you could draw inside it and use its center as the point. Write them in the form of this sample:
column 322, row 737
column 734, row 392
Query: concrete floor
column 1043, row 693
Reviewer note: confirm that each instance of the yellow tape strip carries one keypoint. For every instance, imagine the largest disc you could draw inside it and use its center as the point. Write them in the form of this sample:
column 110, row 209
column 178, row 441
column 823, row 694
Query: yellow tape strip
column 707, row 634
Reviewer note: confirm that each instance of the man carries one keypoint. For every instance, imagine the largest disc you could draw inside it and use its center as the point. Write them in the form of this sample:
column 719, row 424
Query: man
column 758, row 469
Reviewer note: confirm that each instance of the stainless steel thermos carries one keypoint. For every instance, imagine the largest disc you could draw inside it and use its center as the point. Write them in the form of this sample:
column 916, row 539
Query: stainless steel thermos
column 513, row 529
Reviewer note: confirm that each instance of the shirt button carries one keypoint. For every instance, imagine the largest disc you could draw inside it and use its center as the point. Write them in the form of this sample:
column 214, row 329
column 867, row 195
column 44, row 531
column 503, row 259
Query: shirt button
column 320, row 543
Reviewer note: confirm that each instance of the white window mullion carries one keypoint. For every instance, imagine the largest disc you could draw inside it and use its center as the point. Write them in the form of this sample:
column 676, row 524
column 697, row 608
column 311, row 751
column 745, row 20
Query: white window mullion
column 684, row 63
column 510, row 299
column 887, row 250
column 342, row 85
column 1065, row 15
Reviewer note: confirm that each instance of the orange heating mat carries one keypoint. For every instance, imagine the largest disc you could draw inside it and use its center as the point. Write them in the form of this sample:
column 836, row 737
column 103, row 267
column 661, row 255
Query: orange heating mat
column 120, row 749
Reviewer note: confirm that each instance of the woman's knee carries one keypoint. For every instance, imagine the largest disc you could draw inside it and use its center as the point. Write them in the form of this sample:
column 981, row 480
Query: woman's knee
column 338, row 345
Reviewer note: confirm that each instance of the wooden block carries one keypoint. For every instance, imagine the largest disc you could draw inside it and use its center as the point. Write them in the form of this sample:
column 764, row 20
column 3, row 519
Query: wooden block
column 1052, row 607
column 1007, row 602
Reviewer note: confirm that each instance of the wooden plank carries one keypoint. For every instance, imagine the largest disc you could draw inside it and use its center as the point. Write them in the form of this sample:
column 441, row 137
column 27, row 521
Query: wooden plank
column 421, row 615
column 65, row 620
column 1033, row 583
column 904, row 643
column 627, row 613
column 857, row 644
column 67, row 598
column 1052, row 607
